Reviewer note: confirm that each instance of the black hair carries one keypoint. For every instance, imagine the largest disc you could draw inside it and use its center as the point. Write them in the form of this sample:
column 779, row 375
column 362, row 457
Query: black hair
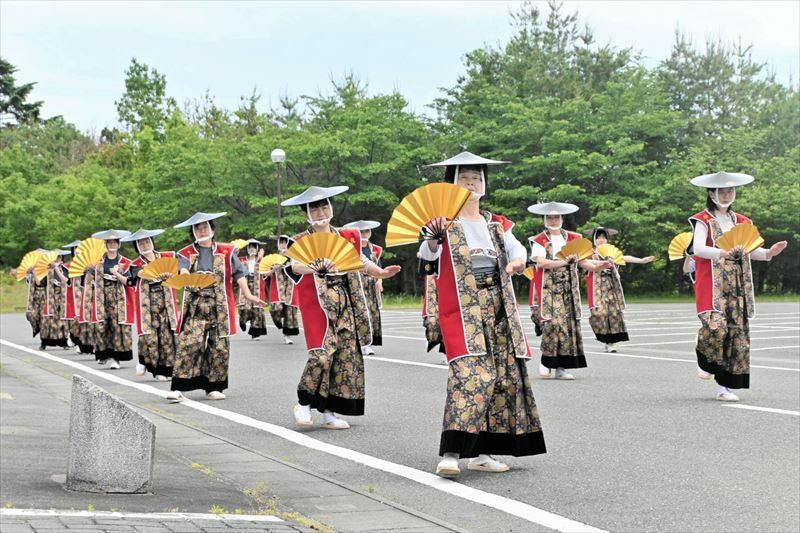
column 710, row 205
column 191, row 230
column 450, row 174
column 600, row 231
column 311, row 205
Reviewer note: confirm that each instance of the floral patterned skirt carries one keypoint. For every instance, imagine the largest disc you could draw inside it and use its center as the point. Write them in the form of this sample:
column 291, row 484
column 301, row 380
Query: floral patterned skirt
column 562, row 343
column 490, row 407
column 723, row 341
column 607, row 319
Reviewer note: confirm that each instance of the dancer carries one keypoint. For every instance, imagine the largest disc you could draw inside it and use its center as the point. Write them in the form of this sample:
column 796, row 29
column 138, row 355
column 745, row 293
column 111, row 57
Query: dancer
column 605, row 294
column 723, row 286
column 558, row 292
column 112, row 307
column 489, row 408
column 335, row 321
column 248, row 310
column 208, row 316
column 283, row 301
column 156, row 309
column 373, row 287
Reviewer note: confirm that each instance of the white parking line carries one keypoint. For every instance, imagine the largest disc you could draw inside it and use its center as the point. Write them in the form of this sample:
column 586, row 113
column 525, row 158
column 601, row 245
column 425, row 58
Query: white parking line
column 764, row 409
column 500, row 503
column 774, row 347
column 138, row 516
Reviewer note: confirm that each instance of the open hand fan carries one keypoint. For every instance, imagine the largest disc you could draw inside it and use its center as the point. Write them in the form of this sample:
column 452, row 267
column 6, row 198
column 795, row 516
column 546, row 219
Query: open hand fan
column 678, row 245
column 239, row 244
column 156, row 268
column 410, row 218
column 321, row 251
column 529, row 272
column 40, row 268
column 195, row 279
column 89, row 252
column 28, row 260
column 269, row 261
column 581, row 247
column 611, row 252
column 745, row 235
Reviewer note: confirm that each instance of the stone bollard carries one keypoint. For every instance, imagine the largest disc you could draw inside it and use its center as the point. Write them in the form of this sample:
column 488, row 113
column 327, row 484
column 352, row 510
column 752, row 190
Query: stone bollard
column 111, row 446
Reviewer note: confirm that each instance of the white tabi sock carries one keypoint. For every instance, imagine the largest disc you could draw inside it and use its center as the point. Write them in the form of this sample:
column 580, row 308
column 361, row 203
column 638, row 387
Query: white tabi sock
column 305, row 410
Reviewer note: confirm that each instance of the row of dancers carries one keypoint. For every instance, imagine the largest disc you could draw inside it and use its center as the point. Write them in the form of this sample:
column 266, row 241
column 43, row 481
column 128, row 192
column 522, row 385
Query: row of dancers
column 470, row 310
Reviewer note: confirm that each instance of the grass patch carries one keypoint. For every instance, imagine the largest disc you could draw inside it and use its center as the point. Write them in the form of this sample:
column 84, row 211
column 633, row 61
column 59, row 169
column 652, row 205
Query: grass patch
column 13, row 294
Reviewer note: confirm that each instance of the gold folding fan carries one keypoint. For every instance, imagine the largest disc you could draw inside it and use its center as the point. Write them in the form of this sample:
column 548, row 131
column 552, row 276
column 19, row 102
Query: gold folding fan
column 158, row 267
column 410, row 218
column 89, row 252
column 580, row 247
column 28, row 260
column 44, row 261
column 269, row 261
column 745, row 235
column 195, row 279
column 611, row 252
column 239, row 244
column 529, row 272
column 321, row 251
column 678, row 245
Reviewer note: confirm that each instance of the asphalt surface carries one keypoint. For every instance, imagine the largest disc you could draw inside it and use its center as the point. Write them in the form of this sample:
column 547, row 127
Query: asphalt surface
column 636, row 443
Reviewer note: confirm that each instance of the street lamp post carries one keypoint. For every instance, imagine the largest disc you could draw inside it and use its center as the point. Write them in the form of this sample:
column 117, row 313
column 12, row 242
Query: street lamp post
column 278, row 157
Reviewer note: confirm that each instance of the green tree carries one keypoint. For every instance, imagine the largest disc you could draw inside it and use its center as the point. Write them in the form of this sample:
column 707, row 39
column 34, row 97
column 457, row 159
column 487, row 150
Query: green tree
column 145, row 102
column 14, row 105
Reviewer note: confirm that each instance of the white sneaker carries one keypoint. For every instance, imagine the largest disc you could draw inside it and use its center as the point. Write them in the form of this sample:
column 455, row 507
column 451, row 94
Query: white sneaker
column 725, row 395
column 287, row 340
column 331, row 421
column 563, row 374
column 702, row 374
column 448, row 466
column 605, row 348
column 159, row 377
column 215, row 395
column 367, row 350
column 140, row 369
column 544, row 372
column 77, row 349
column 487, row 463
column 114, row 365
column 175, row 396
column 302, row 415
column 611, row 347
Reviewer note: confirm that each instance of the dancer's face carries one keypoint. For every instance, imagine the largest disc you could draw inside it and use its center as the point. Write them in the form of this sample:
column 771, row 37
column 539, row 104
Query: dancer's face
column 320, row 211
column 470, row 180
column 552, row 222
column 600, row 239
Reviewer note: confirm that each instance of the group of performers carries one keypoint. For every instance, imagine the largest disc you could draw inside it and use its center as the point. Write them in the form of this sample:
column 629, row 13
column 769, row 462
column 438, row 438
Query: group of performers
column 470, row 310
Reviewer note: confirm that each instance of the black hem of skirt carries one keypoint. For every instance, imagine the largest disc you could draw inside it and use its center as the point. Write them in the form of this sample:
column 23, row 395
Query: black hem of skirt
column 127, row 355
column 611, row 338
column 341, row 406
column 468, row 445
column 55, row 342
column 35, row 332
column 377, row 341
column 156, row 370
column 432, row 345
column 198, row 382
column 74, row 340
column 256, row 332
column 565, row 361
column 723, row 377
column 291, row 332
column 86, row 348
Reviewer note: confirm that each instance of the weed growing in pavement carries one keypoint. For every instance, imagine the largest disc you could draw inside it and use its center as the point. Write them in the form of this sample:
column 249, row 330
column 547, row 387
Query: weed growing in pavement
column 216, row 509
column 8, row 505
column 90, row 508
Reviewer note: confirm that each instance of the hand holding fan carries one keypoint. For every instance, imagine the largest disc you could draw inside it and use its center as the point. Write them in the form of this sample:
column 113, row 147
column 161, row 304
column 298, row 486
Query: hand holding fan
column 195, row 279
column 529, row 272
column 28, row 260
column 161, row 267
column 745, row 236
column 269, row 261
column 582, row 248
column 611, row 252
column 429, row 202
column 44, row 261
column 89, row 252
column 678, row 245
column 323, row 251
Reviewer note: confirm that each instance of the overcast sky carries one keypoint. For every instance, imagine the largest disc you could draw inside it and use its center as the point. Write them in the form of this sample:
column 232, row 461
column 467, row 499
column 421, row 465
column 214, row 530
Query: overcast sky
column 77, row 52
